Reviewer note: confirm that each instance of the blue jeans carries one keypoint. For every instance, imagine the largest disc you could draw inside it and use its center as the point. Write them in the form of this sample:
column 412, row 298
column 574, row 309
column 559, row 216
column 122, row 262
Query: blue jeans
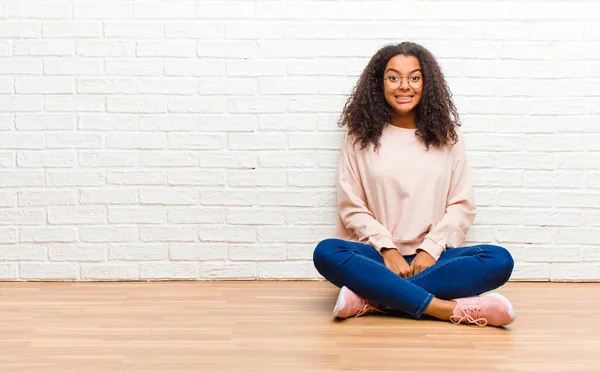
column 459, row 272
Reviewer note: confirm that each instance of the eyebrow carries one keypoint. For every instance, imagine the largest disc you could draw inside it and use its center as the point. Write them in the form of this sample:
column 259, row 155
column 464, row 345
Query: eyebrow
column 393, row 69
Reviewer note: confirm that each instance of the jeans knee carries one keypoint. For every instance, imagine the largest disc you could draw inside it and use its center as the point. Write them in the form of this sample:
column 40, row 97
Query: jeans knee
column 322, row 253
column 503, row 261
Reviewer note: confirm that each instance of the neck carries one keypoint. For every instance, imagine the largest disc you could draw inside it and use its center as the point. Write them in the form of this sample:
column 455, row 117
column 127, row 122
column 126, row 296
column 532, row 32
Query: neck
column 404, row 121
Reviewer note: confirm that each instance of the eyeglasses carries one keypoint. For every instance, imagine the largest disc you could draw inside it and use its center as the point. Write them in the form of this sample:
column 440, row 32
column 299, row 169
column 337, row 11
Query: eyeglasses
column 394, row 82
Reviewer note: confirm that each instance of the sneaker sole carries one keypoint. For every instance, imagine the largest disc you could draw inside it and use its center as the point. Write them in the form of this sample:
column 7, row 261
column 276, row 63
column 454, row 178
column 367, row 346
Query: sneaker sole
column 511, row 310
column 340, row 303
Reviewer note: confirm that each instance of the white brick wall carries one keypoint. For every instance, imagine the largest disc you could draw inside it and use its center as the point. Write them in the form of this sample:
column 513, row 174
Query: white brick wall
column 198, row 139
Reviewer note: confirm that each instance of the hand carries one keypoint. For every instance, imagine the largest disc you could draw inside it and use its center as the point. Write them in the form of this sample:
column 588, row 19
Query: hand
column 421, row 262
column 394, row 261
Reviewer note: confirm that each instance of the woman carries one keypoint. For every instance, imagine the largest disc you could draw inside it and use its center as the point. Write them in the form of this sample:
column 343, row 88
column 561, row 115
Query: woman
column 406, row 202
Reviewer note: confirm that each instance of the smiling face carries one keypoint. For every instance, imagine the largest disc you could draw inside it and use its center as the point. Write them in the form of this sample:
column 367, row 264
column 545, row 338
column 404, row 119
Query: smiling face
column 403, row 84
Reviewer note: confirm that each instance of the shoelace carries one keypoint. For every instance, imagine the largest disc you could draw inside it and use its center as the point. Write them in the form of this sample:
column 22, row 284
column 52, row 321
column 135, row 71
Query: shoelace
column 367, row 308
column 471, row 314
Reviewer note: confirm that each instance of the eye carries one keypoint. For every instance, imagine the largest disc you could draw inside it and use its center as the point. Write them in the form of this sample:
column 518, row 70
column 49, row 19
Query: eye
column 415, row 78
column 393, row 78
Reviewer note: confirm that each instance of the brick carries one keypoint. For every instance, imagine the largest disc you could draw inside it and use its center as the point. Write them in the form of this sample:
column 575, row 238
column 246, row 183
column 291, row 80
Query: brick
column 75, row 104
column 312, row 178
column 93, row 48
column 48, row 271
column 231, row 123
column 196, row 177
column 169, row 270
column 497, row 178
column 20, row 29
column 197, row 251
column 43, row 48
column 574, row 272
column 288, row 122
column 256, row 105
column 256, row 67
column 167, row 159
column 531, row 271
column 21, row 178
column 288, row 160
column 331, row 141
column 135, row 105
column 229, row 234
column 228, row 86
column 254, row 178
column 137, row 215
column 525, row 198
column 169, row 196
column 128, row 67
column 204, row 68
column 105, row 10
column 548, row 254
column 206, row 105
column 136, row 140
column 40, row 9
column 107, row 159
column 157, row 177
column 168, row 123
column 23, row 253
column 230, row 159
column 139, row 252
column 161, row 10
column 228, row 197
column 106, row 86
column 14, row 140
column 320, row 104
column 77, row 253
column 577, row 199
column 45, row 121
column 287, row 198
column 46, row 159
column 578, row 161
column 133, row 29
column 227, row 49
column 286, row 234
column 74, row 178
column 109, row 195
column 8, row 236
column 7, row 159
column 48, row 197
column 108, row 234
column 8, row 271
column 196, row 141
column 525, row 161
column 8, row 198
column 255, row 216
column 166, row 49
column 289, row 85
column 257, row 141
column 167, row 86
column 73, row 140
column 557, row 179
column 23, row 103
column 165, row 233
column 248, row 252
column 311, row 216
column 108, row 122
column 524, row 235
column 71, row 29
column 196, row 215
column 47, row 234
column 61, row 66
column 22, row 216
column 316, row 67
column 111, row 271
column 194, row 30
column 229, row 270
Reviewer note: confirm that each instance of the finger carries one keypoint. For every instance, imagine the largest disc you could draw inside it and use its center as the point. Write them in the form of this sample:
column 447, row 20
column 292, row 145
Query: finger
column 417, row 270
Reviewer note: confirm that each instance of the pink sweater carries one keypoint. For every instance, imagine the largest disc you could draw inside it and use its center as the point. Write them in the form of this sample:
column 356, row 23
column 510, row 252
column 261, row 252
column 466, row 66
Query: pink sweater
column 405, row 196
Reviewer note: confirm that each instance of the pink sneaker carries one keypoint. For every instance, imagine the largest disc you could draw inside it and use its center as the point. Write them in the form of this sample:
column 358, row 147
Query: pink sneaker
column 491, row 309
column 350, row 304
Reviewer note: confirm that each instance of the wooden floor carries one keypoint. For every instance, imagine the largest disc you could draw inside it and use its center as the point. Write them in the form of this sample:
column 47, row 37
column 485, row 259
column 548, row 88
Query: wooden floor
column 280, row 326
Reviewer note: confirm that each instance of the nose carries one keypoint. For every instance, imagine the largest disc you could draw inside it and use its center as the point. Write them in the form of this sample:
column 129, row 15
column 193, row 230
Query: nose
column 403, row 85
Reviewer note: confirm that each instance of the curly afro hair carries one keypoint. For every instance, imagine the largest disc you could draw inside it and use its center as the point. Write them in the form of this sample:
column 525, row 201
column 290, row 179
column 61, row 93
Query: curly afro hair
column 366, row 111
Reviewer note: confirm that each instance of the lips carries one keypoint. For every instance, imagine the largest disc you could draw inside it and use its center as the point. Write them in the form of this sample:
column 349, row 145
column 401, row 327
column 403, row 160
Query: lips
column 403, row 99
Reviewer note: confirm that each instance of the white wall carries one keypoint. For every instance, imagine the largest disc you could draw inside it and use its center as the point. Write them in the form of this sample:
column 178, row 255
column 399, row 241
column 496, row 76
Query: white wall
column 198, row 140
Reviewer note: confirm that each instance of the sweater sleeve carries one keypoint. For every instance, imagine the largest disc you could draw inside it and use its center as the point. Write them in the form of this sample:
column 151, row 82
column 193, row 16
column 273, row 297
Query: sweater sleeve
column 460, row 211
column 352, row 202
